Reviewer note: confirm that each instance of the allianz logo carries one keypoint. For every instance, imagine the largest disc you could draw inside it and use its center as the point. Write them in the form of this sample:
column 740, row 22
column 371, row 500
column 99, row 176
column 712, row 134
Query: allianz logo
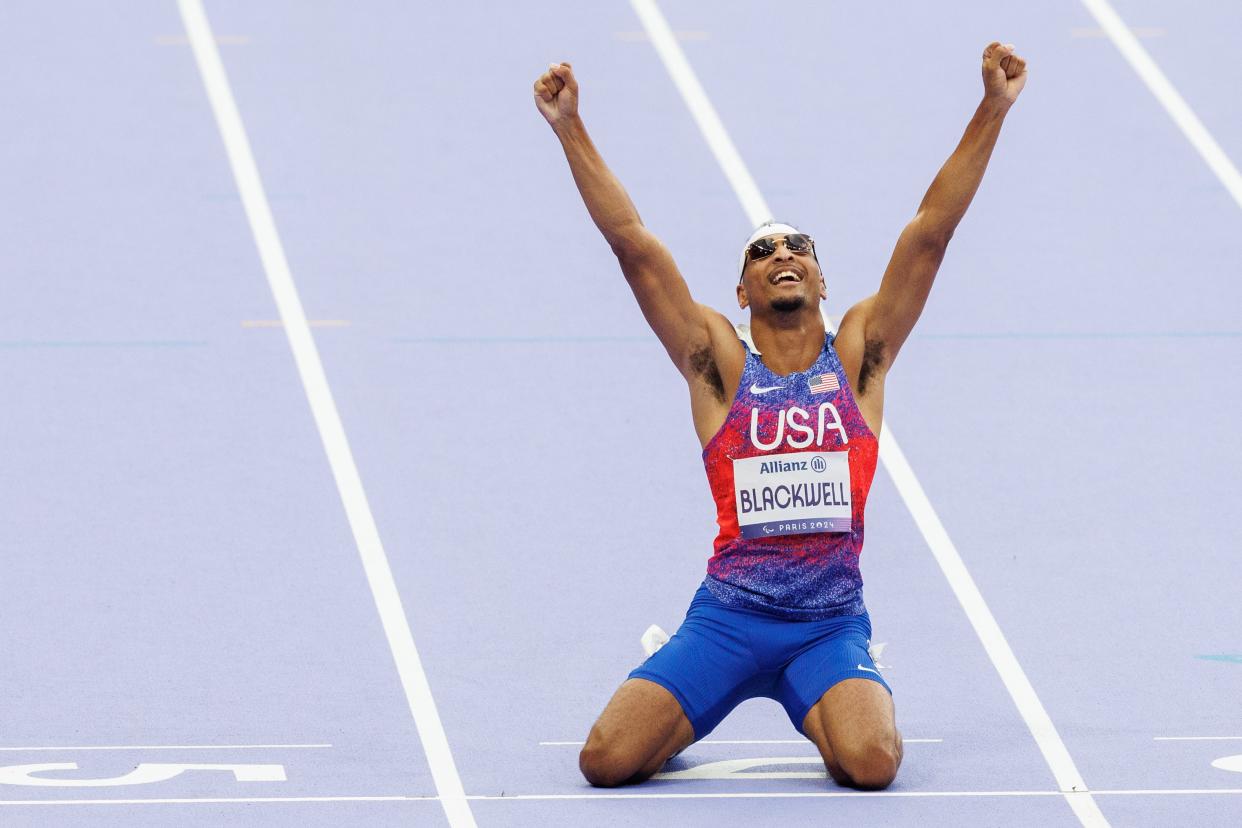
column 798, row 428
column 816, row 464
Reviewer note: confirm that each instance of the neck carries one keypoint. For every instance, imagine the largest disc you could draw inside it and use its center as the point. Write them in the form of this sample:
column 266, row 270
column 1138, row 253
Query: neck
column 788, row 342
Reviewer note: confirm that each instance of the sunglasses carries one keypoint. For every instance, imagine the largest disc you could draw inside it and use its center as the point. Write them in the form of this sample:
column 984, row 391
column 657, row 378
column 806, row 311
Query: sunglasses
column 794, row 243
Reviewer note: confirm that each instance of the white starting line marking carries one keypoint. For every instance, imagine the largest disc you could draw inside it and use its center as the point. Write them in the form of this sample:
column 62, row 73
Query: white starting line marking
column 278, row 800
column 161, row 747
column 756, row 742
column 878, row 794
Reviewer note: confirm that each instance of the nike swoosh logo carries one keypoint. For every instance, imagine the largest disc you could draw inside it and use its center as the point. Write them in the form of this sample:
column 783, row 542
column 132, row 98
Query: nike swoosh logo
column 868, row 669
column 755, row 389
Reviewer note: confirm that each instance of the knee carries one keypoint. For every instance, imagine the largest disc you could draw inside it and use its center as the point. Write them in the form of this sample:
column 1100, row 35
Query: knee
column 603, row 765
column 871, row 767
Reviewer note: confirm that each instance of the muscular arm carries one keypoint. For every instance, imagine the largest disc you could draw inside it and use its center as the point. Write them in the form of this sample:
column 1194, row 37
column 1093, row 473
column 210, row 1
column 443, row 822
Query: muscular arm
column 679, row 322
column 882, row 323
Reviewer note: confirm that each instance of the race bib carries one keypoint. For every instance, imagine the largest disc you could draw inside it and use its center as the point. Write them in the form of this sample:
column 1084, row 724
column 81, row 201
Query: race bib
column 792, row 494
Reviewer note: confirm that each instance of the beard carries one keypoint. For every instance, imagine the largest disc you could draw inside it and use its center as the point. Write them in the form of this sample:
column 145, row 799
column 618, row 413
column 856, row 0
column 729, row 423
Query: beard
column 788, row 304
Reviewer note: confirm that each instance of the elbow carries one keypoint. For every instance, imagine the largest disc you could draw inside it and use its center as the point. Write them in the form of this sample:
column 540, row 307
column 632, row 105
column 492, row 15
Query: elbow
column 931, row 233
column 939, row 242
column 632, row 244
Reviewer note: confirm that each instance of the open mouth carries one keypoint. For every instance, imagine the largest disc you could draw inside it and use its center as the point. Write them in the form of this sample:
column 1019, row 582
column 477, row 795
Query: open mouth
column 785, row 275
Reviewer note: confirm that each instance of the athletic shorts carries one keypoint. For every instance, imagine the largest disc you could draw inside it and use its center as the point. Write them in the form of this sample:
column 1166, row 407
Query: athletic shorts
column 721, row 656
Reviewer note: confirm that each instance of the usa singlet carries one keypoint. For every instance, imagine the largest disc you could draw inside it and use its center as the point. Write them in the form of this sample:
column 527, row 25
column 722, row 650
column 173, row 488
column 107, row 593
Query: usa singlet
column 790, row 470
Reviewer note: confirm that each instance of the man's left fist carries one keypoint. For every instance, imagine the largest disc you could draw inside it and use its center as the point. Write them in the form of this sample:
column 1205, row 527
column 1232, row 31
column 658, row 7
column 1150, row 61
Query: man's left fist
column 1004, row 73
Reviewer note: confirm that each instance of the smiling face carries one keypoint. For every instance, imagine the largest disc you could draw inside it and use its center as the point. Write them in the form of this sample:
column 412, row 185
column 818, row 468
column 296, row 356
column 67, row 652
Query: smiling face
column 784, row 282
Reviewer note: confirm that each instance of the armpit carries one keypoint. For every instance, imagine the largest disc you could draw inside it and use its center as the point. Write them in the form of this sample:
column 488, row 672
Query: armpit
column 703, row 365
column 872, row 363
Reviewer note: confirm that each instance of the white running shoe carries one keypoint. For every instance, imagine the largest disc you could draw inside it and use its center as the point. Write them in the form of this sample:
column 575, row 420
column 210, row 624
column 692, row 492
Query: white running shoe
column 653, row 639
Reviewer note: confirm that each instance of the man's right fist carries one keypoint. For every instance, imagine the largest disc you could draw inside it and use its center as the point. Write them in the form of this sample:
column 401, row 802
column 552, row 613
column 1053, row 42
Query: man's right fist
column 556, row 93
column 1004, row 73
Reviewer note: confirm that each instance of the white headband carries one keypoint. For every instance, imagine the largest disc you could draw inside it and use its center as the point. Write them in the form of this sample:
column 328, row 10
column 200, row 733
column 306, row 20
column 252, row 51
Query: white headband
column 770, row 228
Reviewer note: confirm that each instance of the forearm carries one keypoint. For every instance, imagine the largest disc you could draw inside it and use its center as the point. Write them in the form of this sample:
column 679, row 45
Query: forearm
column 954, row 187
column 606, row 200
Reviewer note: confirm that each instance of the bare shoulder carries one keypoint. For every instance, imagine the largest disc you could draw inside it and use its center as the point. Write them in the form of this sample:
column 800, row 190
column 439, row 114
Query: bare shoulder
column 863, row 357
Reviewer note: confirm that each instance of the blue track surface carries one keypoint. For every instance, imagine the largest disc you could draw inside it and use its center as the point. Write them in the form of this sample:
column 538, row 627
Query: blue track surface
column 179, row 570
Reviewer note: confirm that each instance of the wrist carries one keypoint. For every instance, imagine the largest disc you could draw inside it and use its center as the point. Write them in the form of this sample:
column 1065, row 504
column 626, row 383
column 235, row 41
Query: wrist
column 568, row 128
column 995, row 105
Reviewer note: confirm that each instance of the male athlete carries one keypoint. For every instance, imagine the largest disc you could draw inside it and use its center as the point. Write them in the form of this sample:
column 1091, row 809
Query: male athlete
column 788, row 416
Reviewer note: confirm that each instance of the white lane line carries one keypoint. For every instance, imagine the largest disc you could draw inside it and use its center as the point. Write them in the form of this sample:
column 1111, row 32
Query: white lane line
column 1195, row 738
column 867, row 794
column 182, row 40
column 160, row 747
column 986, row 627
column 1170, row 792
column 1016, row 682
column 643, row 37
column 276, row 323
column 701, row 109
column 755, row 742
column 870, row 794
column 1139, row 31
column 327, row 419
column 1181, row 113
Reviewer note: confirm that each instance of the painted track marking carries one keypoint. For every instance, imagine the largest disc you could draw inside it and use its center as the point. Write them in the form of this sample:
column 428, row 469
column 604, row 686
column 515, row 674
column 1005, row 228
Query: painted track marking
column 960, row 580
column 277, row 800
column 276, row 323
column 525, row 797
column 1168, row 96
column 143, row 773
column 327, row 418
column 163, row 747
column 886, row 794
column 806, row 742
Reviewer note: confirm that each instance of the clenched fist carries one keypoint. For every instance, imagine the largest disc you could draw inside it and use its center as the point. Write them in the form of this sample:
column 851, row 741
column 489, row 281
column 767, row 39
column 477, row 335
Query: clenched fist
column 1004, row 73
column 556, row 94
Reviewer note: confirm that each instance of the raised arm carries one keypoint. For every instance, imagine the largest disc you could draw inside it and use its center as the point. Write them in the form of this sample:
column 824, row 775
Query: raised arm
column 662, row 294
column 886, row 319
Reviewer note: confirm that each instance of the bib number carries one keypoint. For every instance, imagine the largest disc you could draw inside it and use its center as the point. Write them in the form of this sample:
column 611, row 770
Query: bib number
column 793, row 494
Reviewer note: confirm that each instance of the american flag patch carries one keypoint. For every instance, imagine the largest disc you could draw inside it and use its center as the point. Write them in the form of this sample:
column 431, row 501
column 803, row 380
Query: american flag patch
column 823, row 383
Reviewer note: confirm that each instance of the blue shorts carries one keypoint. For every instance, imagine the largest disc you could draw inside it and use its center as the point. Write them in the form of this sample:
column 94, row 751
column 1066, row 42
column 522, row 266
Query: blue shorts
column 721, row 656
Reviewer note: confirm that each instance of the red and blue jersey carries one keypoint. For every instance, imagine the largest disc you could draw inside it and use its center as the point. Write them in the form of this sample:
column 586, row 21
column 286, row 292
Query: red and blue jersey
column 790, row 470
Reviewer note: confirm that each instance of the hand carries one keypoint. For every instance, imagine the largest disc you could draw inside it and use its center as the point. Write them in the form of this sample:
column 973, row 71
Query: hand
column 1004, row 73
column 556, row 94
